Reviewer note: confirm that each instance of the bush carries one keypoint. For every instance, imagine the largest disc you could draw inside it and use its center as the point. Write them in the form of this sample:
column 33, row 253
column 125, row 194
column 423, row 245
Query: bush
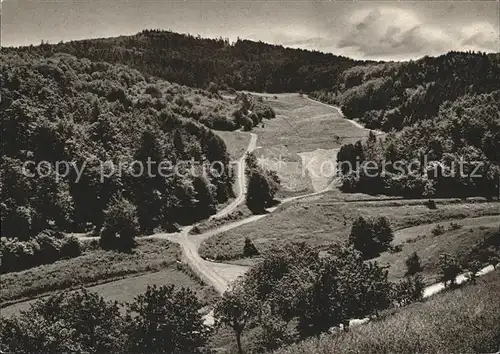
column 371, row 237
column 47, row 247
column 67, row 322
column 165, row 319
column 249, row 250
column 448, row 269
column 160, row 320
column 262, row 186
column 455, row 226
column 219, row 122
column 154, row 91
column 438, row 230
column 413, row 264
column 213, row 88
column 408, row 291
column 431, row 204
column 462, row 321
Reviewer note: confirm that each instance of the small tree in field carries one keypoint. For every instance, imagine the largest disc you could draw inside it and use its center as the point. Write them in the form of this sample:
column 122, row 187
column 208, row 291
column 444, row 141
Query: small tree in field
column 360, row 237
column 235, row 310
column 383, row 232
column 371, row 237
column 409, row 290
column 448, row 269
column 494, row 260
column 120, row 225
column 413, row 264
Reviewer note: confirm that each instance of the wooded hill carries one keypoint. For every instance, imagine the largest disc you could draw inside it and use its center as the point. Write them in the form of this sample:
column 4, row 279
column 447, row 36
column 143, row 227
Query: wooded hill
column 196, row 61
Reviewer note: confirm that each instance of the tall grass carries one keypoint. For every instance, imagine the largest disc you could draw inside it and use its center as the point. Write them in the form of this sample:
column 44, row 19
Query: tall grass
column 463, row 321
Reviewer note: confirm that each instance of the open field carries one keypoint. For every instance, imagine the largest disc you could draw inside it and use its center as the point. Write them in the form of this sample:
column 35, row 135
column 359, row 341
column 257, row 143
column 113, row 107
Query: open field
column 236, row 142
column 466, row 320
column 124, row 290
column 303, row 125
column 303, row 135
column 152, row 262
column 324, row 219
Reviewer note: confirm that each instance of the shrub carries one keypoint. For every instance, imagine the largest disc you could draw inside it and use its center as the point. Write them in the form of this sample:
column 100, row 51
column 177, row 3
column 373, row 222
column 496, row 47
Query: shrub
column 455, row 226
column 448, row 269
column 255, row 119
column 154, row 91
column 413, row 264
column 164, row 318
column 47, row 247
column 473, row 268
column 408, row 291
column 371, row 237
column 396, row 249
column 431, row 204
column 66, row 322
column 438, row 230
column 213, row 88
column 249, row 250
column 262, row 186
column 219, row 122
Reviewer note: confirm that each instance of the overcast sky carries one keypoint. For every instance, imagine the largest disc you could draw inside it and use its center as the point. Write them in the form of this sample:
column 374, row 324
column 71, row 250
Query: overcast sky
column 368, row 29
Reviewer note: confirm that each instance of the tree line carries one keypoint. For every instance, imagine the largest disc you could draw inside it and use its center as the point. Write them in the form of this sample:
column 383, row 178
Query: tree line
column 457, row 154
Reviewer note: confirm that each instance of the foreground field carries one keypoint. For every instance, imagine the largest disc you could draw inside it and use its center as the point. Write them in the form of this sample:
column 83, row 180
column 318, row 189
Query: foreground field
column 465, row 320
column 116, row 276
column 323, row 220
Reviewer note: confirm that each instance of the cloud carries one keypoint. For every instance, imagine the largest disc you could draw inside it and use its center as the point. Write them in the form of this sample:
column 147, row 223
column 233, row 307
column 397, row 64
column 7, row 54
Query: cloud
column 393, row 32
column 480, row 35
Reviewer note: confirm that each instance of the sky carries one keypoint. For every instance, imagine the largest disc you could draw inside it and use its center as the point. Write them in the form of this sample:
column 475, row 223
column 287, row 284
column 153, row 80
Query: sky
column 380, row 30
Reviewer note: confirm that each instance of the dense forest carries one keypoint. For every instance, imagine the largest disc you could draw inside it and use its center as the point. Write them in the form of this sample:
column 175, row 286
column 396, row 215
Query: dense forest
column 73, row 113
column 196, row 61
column 439, row 111
column 67, row 126
column 457, row 154
column 393, row 95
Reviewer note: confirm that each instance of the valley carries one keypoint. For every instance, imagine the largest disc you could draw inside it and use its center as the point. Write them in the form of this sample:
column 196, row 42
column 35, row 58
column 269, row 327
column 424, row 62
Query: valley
column 242, row 197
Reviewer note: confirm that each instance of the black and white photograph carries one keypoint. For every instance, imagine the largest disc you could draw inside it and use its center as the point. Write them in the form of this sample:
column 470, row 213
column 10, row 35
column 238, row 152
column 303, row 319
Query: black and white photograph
column 250, row 176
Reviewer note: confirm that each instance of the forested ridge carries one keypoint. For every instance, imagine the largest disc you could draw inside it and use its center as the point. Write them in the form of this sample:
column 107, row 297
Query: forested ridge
column 397, row 94
column 196, row 61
